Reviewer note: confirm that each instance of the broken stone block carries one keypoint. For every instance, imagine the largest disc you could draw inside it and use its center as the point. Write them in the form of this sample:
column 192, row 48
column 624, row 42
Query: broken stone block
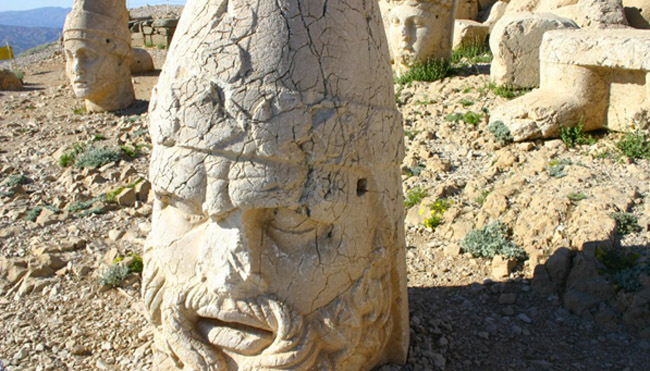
column 502, row 267
column 126, row 198
column 515, row 41
column 469, row 33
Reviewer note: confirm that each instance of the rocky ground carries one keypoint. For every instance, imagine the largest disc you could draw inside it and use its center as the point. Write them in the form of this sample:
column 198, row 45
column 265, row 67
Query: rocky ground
column 563, row 308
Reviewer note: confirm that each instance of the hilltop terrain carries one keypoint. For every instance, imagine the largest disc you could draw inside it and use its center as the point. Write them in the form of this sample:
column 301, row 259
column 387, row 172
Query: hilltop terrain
column 62, row 228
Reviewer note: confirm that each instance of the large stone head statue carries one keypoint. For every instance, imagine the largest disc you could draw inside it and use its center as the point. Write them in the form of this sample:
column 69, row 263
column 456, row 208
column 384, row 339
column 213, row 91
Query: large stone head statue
column 97, row 46
column 277, row 239
column 419, row 30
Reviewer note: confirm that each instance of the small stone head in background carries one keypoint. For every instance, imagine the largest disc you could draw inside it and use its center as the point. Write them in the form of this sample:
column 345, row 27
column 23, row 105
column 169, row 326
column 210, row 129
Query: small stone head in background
column 419, row 30
column 97, row 46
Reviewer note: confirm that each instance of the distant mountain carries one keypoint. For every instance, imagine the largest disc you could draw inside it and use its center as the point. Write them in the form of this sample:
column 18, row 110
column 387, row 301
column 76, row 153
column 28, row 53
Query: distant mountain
column 23, row 38
column 50, row 17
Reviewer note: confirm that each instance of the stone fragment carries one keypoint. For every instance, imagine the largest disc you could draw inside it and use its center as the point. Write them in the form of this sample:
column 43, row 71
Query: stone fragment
column 637, row 13
column 593, row 77
column 46, row 217
column 126, row 198
column 9, row 81
column 453, row 249
column 97, row 45
column 419, row 30
column 142, row 190
column 501, row 267
column 507, row 298
column 497, row 11
column 115, row 234
column 141, row 62
column 558, row 265
column 585, row 13
column 277, row 236
column 515, row 41
column 469, row 33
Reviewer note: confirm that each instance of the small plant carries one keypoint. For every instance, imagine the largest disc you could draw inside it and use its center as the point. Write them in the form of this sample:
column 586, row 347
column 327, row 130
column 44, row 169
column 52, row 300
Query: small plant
column 622, row 267
column 626, row 223
column 556, row 168
column 410, row 134
column 454, row 117
column 472, row 118
column 415, row 170
column 438, row 208
column 16, row 179
column 507, row 91
column 476, row 52
column 131, row 152
column 135, row 266
column 483, row 196
column 466, row 102
column 161, row 46
column 575, row 136
column 111, row 196
column 414, row 196
column 79, row 110
column 492, row 240
column 33, row 214
column 95, row 157
column 576, row 197
column 114, row 275
column 98, row 138
column 501, row 132
column 635, row 145
column 69, row 157
column 432, row 70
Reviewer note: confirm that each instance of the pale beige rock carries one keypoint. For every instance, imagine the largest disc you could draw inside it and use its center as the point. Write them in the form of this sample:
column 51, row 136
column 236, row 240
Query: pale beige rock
column 637, row 13
column 501, row 267
column 141, row 61
column 586, row 13
column 277, row 237
column 497, row 11
column 9, row 81
column 469, row 33
column 593, row 77
column 419, row 30
column 97, row 45
column 514, row 42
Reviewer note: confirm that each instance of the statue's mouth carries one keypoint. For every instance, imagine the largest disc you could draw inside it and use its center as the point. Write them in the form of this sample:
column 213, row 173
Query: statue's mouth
column 235, row 331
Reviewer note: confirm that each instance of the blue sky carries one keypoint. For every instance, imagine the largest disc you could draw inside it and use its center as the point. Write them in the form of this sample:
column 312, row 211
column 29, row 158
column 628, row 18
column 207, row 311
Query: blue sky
column 32, row 4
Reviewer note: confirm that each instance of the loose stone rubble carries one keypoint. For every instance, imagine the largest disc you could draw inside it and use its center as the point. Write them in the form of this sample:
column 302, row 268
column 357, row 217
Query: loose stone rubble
column 595, row 78
column 97, row 46
column 278, row 214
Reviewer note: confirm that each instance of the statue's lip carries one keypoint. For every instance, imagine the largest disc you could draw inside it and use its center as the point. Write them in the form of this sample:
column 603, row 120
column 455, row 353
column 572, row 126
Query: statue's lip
column 235, row 331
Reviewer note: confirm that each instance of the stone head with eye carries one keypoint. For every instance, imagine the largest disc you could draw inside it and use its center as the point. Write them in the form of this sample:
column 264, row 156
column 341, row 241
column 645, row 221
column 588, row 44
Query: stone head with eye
column 419, row 30
column 97, row 47
column 277, row 237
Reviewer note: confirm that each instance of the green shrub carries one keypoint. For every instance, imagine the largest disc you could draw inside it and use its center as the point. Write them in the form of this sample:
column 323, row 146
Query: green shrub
column 500, row 132
column 476, row 52
column 507, row 91
column 483, row 196
column 622, row 267
column 114, row 275
column 415, row 170
column 131, row 152
column 16, row 179
column 575, row 136
column 626, row 223
column 410, row 134
column 472, row 118
column 433, row 70
column 466, row 102
column 95, row 157
column 33, row 214
column 635, row 145
column 69, row 157
column 556, row 168
column 438, row 208
column 576, row 196
column 491, row 240
column 414, row 196
column 136, row 265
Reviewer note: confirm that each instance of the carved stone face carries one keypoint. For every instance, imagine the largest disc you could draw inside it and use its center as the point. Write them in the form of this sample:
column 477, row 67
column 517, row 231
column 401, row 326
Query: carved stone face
column 412, row 34
column 277, row 234
column 91, row 69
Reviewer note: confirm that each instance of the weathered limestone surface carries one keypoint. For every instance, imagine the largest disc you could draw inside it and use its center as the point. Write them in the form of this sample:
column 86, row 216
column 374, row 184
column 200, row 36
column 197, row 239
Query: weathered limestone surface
column 468, row 33
column 597, row 78
column 141, row 62
column 586, row 13
column 515, row 41
column 97, row 46
column 277, row 238
column 497, row 11
column 419, row 30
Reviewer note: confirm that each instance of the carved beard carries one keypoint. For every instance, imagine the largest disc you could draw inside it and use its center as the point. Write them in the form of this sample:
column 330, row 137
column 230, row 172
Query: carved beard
column 348, row 333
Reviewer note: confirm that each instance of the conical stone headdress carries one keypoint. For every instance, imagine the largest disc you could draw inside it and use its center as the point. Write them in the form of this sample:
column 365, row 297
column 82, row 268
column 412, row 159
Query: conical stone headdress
column 102, row 21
